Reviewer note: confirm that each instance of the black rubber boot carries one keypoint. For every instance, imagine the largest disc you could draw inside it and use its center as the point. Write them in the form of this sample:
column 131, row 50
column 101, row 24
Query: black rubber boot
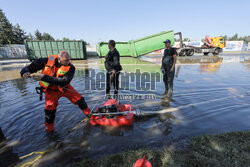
column 171, row 89
column 116, row 97
column 166, row 89
column 108, row 96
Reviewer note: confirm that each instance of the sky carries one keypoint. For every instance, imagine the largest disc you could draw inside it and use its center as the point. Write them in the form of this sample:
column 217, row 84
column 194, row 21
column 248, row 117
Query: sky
column 124, row 20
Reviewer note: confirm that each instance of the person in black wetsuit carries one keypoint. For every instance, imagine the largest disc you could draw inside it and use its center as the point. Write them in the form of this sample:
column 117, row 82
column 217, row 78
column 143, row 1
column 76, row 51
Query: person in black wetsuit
column 57, row 72
column 113, row 67
column 168, row 67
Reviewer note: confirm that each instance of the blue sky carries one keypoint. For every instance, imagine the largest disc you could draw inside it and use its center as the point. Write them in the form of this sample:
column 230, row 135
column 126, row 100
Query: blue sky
column 101, row 20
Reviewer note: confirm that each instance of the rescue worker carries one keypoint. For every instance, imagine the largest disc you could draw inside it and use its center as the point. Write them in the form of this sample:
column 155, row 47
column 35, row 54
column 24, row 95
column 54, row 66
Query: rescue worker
column 168, row 67
column 113, row 67
column 57, row 72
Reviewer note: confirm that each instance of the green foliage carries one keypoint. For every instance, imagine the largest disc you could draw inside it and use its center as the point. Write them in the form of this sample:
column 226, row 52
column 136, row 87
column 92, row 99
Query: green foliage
column 38, row 35
column 10, row 34
column 42, row 37
column 184, row 40
column 66, row 39
column 19, row 35
column 6, row 30
column 30, row 37
column 176, row 40
column 47, row 37
column 235, row 37
column 225, row 37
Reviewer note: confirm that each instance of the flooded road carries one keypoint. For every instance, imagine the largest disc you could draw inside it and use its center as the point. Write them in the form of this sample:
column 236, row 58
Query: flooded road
column 210, row 97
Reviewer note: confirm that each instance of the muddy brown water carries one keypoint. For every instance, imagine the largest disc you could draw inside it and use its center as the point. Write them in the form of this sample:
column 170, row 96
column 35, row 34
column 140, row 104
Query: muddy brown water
column 211, row 98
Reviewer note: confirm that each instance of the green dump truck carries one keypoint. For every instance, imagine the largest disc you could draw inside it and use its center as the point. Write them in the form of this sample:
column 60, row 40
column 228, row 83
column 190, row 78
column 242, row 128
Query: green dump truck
column 140, row 46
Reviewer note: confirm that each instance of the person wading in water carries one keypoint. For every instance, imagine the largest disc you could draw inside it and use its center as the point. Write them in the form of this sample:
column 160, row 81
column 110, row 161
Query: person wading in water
column 57, row 72
column 113, row 67
column 168, row 67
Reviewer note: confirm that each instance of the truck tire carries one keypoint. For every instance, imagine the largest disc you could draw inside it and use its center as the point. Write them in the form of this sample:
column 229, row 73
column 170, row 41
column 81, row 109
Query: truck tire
column 182, row 53
column 205, row 53
column 190, row 52
column 216, row 52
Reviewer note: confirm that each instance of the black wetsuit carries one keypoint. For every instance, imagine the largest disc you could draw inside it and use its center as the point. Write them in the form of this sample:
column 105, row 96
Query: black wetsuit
column 39, row 64
column 113, row 63
column 167, row 63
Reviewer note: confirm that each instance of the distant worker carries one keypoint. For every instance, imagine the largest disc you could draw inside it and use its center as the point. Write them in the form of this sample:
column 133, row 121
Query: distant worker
column 168, row 67
column 113, row 67
column 57, row 72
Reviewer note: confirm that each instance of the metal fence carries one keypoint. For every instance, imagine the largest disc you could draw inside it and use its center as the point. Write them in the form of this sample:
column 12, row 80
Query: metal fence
column 13, row 51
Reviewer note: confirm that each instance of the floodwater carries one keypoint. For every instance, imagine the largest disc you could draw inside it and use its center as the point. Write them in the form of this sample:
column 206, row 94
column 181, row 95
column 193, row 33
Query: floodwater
column 210, row 98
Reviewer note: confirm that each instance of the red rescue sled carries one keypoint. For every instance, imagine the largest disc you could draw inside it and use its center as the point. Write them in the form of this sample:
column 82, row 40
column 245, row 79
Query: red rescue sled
column 111, row 106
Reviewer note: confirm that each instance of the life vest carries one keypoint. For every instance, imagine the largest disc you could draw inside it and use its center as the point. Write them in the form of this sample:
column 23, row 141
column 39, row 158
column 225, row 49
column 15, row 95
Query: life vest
column 51, row 70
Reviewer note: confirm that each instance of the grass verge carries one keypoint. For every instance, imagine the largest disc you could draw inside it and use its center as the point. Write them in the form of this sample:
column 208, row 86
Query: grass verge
column 229, row 149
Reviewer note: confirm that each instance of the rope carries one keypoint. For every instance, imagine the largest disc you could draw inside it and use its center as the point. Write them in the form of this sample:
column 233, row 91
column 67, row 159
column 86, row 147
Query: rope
column 75, row 127
column 30, row 163
column 31, row 154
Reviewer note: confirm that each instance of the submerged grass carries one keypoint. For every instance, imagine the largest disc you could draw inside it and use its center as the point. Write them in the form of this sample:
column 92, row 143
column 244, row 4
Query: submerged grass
column 229, row 149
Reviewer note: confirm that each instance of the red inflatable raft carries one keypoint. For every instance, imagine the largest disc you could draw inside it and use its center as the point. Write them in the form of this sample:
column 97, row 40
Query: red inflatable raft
column 111, row 106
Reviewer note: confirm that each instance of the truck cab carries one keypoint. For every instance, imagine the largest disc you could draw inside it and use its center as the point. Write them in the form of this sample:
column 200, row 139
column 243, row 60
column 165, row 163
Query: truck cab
column 218, row 42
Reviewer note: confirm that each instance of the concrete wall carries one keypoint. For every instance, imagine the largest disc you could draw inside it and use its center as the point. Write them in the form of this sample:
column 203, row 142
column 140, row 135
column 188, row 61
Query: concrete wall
column 13, row 51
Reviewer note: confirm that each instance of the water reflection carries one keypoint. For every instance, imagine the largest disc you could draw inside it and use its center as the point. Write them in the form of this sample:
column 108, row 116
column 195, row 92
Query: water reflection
column 166, row 119
column 166, row 125
column 7, row 157
column 177, row 71
column 156, row 59
column 242, row 58
column 210, row 67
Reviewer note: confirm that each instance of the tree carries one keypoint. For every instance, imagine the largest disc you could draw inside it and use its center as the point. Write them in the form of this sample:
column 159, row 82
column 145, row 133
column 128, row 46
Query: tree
column 19, row 35
column 38, row 35
column 30, row 37
column 66, row 39
column 6, row 33
column 225, row 38
column 43, row 37
column 176, row 40
column 47, row 37
column 15, row 35
column 234, row 38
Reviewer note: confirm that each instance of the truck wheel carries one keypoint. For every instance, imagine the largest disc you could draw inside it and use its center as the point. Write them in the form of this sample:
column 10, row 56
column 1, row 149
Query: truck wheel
column 216, row 51
column 205, row 53
column 182, row 53
column 190, row 52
